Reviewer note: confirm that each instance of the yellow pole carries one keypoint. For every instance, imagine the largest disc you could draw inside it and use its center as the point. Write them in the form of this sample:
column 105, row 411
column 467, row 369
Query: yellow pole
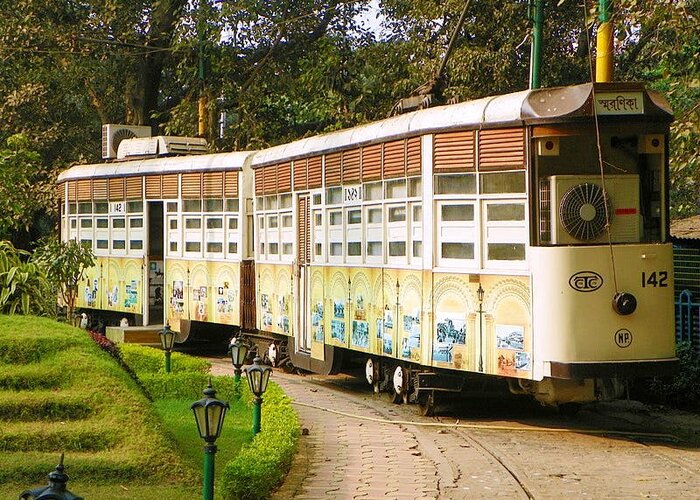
column 604, row 44
column 202, row 120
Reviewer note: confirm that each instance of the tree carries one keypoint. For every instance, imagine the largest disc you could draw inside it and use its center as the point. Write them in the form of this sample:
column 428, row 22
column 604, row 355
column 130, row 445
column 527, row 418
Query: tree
column 65, row 263
column 24, row 287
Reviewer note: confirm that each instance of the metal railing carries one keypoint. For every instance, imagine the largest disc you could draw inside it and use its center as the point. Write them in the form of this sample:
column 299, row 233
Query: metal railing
column 688, row 319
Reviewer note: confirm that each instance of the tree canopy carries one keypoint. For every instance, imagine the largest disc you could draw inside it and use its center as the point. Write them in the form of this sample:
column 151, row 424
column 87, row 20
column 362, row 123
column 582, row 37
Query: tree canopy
column 281, row 70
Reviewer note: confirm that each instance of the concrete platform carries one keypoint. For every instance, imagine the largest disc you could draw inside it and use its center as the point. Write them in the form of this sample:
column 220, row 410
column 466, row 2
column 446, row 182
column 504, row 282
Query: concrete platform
column 145, row 335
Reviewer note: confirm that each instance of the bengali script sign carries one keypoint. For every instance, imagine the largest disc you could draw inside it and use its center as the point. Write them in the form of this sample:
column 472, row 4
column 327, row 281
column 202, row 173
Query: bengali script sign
column 619, row 103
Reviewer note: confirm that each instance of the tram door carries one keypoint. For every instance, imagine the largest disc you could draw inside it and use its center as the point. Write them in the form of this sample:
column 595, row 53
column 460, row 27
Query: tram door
column 155, row 263
column 303, row 330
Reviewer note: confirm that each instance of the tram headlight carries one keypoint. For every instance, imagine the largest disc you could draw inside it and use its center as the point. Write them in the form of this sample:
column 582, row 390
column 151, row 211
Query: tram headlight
column 624, row 303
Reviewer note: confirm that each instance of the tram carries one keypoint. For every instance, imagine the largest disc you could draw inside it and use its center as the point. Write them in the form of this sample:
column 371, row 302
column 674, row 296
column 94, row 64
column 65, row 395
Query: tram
column 523, row 237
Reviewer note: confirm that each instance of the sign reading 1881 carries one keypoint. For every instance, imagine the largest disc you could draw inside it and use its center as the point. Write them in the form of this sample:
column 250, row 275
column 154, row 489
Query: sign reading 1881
column 619, row 103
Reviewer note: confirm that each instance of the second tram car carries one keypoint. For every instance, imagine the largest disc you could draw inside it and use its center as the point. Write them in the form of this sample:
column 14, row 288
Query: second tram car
column 522, row 236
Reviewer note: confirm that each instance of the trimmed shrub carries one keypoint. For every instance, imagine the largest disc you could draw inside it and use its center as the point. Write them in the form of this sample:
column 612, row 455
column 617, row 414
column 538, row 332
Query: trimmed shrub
column 145, row 360
column 187, row 385
column 262, row 465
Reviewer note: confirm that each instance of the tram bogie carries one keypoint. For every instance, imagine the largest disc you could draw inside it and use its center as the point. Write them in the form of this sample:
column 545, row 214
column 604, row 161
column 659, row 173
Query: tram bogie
column 522, row 237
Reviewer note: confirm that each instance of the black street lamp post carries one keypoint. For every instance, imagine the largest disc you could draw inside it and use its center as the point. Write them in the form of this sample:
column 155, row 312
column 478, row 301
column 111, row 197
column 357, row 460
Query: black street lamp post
column 209, row 415
column 167, row 340
column 56, row 489
column 258, row 376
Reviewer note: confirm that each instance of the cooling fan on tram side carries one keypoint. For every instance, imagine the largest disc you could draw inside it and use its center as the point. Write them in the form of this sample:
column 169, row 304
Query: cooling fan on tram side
column 582, row 211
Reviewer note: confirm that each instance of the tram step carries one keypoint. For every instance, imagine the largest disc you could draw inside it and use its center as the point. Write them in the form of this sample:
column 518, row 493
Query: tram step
column 146, row 335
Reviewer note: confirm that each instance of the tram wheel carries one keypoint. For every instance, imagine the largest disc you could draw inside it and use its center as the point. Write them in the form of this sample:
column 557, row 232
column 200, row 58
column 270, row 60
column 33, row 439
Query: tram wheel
column 399, row 386
column 372, row 374
column 426, row 404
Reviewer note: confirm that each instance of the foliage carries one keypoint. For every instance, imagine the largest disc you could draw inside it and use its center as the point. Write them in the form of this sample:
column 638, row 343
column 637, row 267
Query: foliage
column 24, row 286
column 148, row 360
column 682, row 390
column 65, row 263
column 261, row 465
column 110, row 432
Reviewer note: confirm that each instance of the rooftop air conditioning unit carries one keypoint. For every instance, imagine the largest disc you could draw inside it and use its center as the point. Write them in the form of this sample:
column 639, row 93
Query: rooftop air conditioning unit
column 113, row 135
column 576, row 208
column 161, row 146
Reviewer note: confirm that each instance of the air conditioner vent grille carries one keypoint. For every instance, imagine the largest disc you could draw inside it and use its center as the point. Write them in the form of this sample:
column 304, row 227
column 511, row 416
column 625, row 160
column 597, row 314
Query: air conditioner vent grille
column 582, row 211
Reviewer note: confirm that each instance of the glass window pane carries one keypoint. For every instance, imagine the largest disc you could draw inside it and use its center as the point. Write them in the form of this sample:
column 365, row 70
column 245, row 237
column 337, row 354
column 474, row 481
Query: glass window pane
column 233, row 223
column 319, row 249
column 73, row 208
column 396, row 189
column 317, row 199
column 336, row 249
column 457, row 213
column 415, row 187
column 457, row 250
column 397, row 214
column 193, row 246
column 374, row 248
column 374, row 215
column 213, row 205
column 215, row 223
column 318, row 218
column 503, row 182
column 101, row 207
column 102, row 244
column 354, row 216
column 418, row 249
column 417, row 213
column 119, row 223
column 354, row 248
column 102, row 223
column 506, row 251
column 336, row 218
column 271, row 202
column 172, row 206
column 191, row 223
column 272, row 221
column 397, row 248
column 287, row 248
column 274, row 248
column 334, row 196
column 232, row 205
column 85, row 207
column 455, row 184
column 119, row 244
column 134, row 206
column 136, row 244
column 173, row 223
column 285, row 200
column 173, row 246
column 136, row 222
column 505, row 212
column 286, row 221
column 215, row 247
column 191, row 205
column 232, row 247
column 85, row 223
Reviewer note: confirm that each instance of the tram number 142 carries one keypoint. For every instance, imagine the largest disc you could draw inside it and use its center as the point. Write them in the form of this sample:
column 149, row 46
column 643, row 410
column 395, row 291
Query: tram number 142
column 655, row 279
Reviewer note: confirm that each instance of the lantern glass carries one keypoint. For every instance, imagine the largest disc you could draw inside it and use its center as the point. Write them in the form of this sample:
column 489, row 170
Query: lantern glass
column 258, row 377
column 167, row 338
column 209, row 415
column 239, row 351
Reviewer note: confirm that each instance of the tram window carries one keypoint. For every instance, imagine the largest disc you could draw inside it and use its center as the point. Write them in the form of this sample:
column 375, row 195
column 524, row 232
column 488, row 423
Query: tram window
column 173, row 223
column 193, row 223
column 191, row 205
column 455, row 184
column 354, row 216
column 457, row 213
column 285, row 200
column 233, row 223
column 456, row 250
column 415, row 187
column 287, row 248
column 85, row 223
column 354, row 248
column 193, row 246
column 274, row 248
column 503, row 182
column 319, row 249
column 135, row 244
column 397, row 248
column 101, row 244
column 85, row 208
column 374, row 215
column 72, row 208
column 272, row 222
column 172, row 206
column 505, row 212
column 118, row 244
column 213, row 205
column 317, row 199
column 134, row 207
column 336, row 249
column 336, row 218
column 135, row 222
column 334, row 196
column 118, row 223
column 318, row 218
column 417, row 249
column 86, row 243
column 262, row 249
column 373, row 191
column 271, row 202
column 73, row 223
column 374, row 248
column 215, row 247
column 397, row 214
column 396, row 189
column 260, row 203
column 232, row 247
column 173, row 246
column 261, row 222
column 215, row 223
column 101, row 207
column 232, row 205
column 287, row 220
column 101, row 223
column 506, row 251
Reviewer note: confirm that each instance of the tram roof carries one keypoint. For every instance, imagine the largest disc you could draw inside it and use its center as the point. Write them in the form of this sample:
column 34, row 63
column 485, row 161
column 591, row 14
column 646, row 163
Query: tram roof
column 558, row 104
column 163, row 165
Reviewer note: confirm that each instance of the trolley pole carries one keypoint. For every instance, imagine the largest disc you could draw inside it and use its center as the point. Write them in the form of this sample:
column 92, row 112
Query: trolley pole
column 537, row 15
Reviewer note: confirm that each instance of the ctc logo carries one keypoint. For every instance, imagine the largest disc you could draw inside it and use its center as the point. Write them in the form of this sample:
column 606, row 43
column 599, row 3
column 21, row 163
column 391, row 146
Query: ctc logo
column 623, row 338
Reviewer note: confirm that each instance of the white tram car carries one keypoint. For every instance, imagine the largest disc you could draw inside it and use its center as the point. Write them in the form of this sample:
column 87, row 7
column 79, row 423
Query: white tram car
column 523, row 236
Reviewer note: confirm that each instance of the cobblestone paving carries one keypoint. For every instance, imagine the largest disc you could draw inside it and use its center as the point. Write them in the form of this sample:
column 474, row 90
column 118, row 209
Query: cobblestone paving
column 341, row 457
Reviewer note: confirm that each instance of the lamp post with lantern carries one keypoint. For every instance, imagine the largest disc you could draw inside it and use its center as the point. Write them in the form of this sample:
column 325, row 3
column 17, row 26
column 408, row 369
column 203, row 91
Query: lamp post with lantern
column 239, row 351
column 258, row 376
column 56, row 489
column 167, row 341
column 209, row 415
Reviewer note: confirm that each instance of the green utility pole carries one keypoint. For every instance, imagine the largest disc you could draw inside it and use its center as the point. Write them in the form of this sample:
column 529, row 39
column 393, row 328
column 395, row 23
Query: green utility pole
column 209, row 454
column 536, row 8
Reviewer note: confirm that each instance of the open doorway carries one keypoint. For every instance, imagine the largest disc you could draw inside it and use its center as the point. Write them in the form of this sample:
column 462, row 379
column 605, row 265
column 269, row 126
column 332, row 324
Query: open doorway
column 155, row 263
